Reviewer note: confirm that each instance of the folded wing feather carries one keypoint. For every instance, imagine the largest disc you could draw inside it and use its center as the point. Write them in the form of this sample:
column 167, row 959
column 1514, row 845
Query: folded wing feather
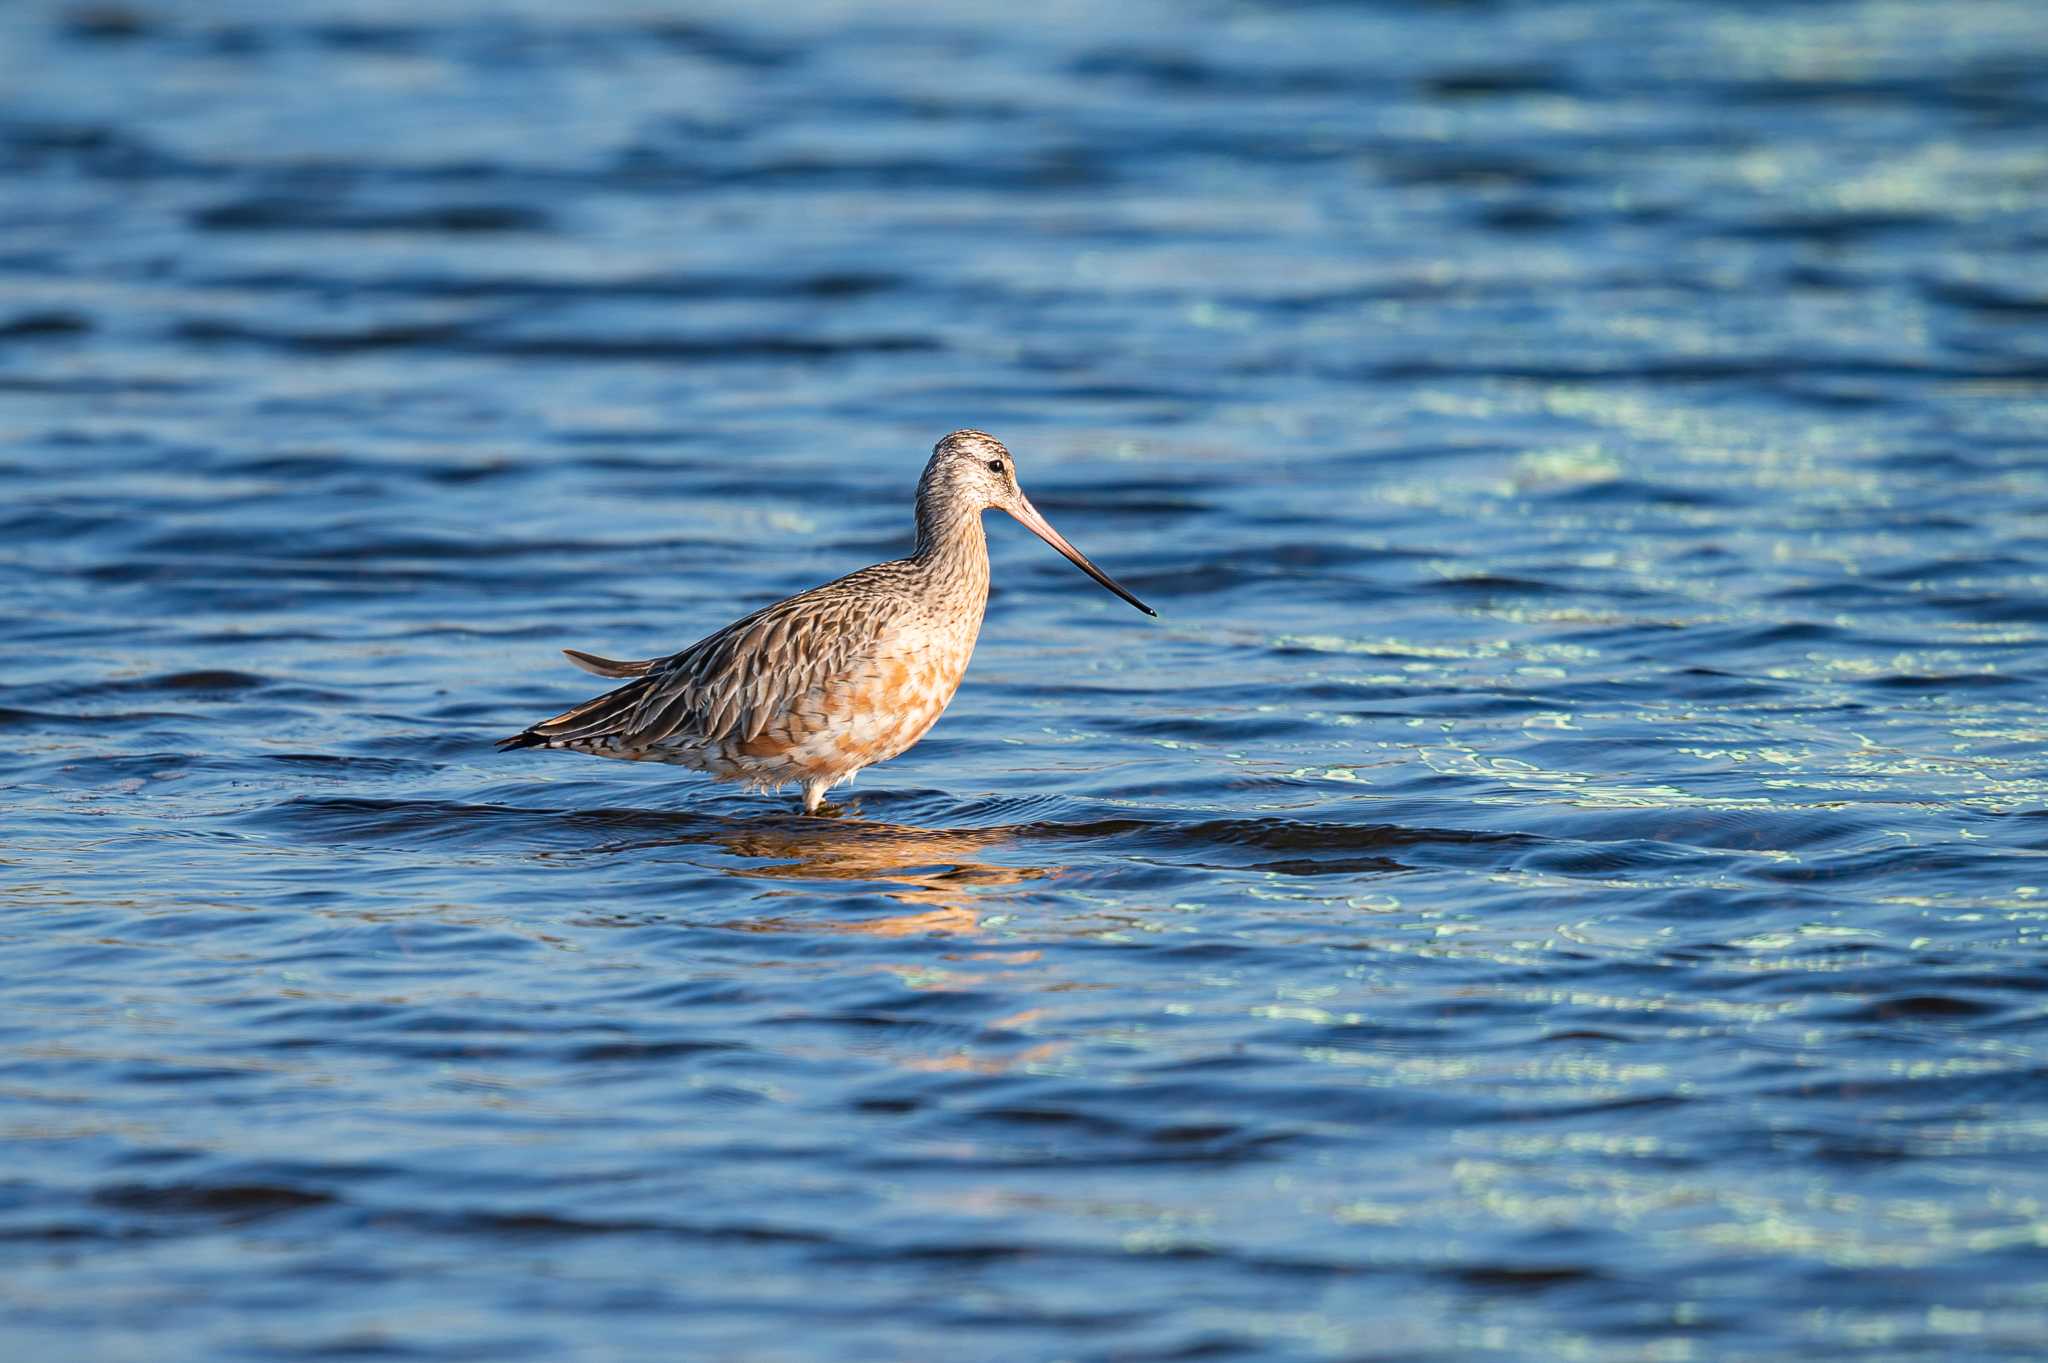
column 731, row 685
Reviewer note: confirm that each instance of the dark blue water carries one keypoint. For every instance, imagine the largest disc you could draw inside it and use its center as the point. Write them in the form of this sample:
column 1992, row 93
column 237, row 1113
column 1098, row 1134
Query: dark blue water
column 1564, row 878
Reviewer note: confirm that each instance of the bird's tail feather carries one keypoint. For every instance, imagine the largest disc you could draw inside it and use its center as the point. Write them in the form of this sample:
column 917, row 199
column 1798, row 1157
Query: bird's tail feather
column 609, row 667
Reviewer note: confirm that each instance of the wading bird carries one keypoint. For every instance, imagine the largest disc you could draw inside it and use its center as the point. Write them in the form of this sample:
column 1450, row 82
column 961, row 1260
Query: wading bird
column 840, row 677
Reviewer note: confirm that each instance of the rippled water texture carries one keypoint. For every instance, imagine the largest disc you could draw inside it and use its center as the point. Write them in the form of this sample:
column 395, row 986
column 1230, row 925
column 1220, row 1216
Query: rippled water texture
column 1563, row 879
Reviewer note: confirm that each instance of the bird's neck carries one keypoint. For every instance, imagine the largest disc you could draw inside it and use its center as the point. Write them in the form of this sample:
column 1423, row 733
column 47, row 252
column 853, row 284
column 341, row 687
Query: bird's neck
column 950, row 542
column 949, row 531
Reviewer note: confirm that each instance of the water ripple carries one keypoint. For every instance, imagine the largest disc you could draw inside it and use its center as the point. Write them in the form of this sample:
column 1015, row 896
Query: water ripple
column 1563, row 877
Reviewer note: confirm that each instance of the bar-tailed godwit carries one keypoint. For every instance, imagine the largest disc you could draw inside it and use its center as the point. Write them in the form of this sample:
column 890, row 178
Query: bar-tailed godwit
column 840, row 677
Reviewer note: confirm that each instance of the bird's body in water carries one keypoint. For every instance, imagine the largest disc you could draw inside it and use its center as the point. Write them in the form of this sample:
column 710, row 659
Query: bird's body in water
column 840, row 677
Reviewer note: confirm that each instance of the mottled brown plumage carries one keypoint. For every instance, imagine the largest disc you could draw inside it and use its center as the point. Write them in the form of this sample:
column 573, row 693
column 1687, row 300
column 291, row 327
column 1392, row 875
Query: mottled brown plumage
column 840, row 677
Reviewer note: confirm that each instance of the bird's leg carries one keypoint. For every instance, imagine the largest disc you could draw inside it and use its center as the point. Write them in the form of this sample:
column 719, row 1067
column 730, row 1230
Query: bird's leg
column 814, row 794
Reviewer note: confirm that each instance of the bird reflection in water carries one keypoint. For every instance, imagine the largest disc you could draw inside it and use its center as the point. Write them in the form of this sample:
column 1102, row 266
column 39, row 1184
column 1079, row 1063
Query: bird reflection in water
column 933, row 872
column 936, row 876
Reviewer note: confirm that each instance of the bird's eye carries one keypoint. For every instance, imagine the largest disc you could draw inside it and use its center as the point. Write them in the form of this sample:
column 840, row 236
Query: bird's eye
column 995, row 466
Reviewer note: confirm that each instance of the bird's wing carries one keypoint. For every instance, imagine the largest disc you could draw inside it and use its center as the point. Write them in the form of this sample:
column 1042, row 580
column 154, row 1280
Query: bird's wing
column 732, row 684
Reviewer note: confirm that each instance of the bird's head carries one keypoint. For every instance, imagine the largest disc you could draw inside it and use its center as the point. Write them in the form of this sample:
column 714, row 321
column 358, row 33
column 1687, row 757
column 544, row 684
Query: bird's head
column 971, row 472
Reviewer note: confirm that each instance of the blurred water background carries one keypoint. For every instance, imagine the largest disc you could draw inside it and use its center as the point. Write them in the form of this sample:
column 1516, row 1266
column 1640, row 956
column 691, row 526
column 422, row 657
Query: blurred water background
column 1563, row 879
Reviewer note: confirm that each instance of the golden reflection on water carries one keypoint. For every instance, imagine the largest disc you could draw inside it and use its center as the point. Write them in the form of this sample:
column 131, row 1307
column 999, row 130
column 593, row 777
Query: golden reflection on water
column 934, row 873
column 945, row 888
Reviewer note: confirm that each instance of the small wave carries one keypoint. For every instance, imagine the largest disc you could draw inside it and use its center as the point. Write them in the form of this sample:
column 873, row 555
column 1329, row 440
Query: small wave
column 294, row 214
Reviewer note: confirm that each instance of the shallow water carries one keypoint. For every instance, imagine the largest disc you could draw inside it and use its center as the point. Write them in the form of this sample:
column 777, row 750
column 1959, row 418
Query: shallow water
column 1563, row 879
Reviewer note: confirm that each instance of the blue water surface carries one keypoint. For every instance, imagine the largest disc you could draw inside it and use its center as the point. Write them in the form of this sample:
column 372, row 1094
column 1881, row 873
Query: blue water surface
column 1562, row 880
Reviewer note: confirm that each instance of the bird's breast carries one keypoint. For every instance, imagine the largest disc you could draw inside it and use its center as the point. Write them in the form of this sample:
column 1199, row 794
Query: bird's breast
column 879, row 702
column 887, row 700
column 908, row 686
